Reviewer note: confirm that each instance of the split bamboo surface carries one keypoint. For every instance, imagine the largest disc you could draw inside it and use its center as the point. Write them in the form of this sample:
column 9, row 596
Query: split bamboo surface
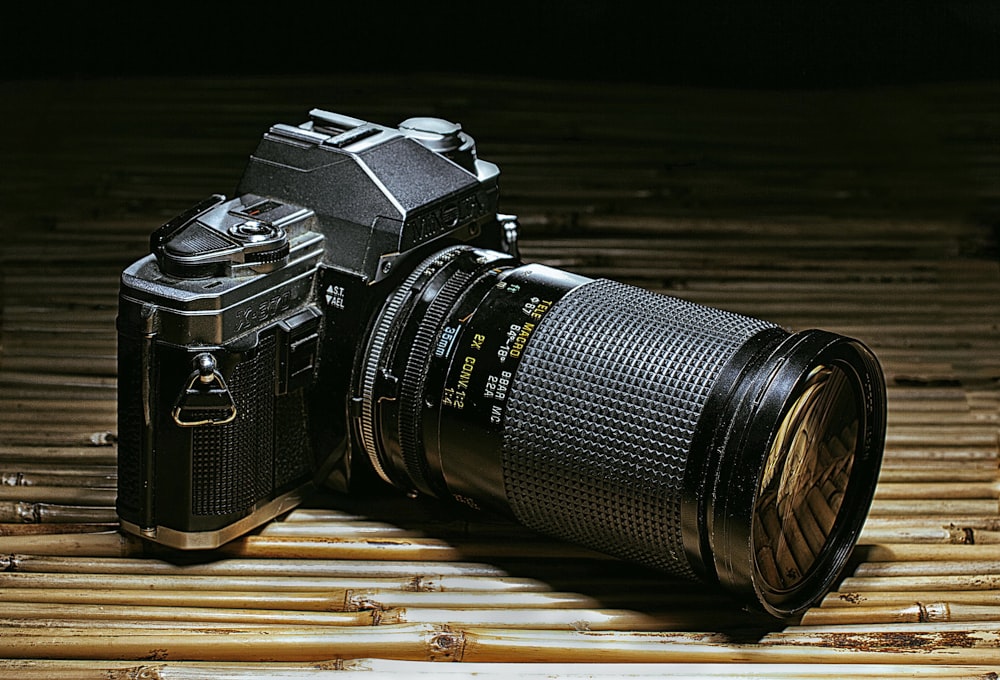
column 871, row 213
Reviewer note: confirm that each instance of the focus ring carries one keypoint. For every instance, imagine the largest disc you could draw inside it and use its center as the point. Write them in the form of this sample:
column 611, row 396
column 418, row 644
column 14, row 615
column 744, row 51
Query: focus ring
column 602, row 412
column 415, row 377
column 381, row 341
column 373, row 363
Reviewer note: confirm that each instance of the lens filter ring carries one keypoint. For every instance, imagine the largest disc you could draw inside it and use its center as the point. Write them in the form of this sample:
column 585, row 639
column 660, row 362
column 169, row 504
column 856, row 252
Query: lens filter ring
column 797, row 471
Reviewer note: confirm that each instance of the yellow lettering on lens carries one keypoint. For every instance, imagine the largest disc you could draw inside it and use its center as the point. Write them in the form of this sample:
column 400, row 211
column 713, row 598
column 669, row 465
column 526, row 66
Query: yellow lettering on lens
column 466, row 374
column 540, row 309
column 521, row 339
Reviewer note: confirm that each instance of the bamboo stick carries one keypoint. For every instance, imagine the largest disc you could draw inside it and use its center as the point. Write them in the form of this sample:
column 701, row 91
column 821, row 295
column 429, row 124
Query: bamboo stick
column 946, row 507
column 874, row 534
column 878, row 598
column 205, row 613
column 267, row 614
column 101, row 544
column 905, row 552
column 922, row 453
column 335, row 600
column 83, row 455
column 184, row 618
column 927, row 568
column 425, row 528
column 618, row 589
column 59, row 494
column 421, row 642
column 49, row 405
column 937, row 490
column 312, row 601
column 120, row 545
column 988, row 522
column 499, row 646
column 467, row 592
column 347, row 524
column 921, row 583
column 48, row 513
column 942, row 473
column 34, row 529
column 71, row 365
column 390, row 511
column 322, row 515
column 389, row 548
column 28, row 419
column 383, row 669
column 15, row 432
column 614, row 590
column 71, row 478
column 181, row 580
column 340, row 530
column 900, row 417
column 77, row 625
column 577, row 670
column 90, row 383
column 291, row 568
column 983, row 634
column 24, row 472
column 914, row 612
column 80, row 390
column 416, row 642
column 951, row 437
column 68, row 437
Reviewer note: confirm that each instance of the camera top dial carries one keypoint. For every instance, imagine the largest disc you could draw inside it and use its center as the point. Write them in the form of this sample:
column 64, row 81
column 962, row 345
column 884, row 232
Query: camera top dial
column 218, row 239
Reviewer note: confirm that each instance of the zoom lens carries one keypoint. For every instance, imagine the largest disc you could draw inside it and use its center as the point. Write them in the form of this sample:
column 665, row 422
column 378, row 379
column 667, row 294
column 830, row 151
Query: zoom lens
column 694, row 440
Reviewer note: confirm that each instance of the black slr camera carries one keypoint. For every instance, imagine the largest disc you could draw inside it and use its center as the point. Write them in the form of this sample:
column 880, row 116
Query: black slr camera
column 360, row 302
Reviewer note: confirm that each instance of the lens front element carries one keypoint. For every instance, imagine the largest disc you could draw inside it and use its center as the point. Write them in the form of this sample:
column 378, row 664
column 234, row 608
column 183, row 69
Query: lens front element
column 799, row 456
column 804, row 479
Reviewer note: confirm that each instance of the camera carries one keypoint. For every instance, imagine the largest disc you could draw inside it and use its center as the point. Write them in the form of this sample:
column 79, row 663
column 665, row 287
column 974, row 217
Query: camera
column 360, row 306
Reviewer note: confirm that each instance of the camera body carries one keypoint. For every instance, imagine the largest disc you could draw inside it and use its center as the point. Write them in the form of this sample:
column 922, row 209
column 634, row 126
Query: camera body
column 239, row 334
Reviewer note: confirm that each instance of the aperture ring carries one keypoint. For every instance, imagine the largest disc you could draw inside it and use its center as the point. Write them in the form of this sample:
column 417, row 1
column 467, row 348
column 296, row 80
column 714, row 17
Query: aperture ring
column 414, row 378
column 376, row 357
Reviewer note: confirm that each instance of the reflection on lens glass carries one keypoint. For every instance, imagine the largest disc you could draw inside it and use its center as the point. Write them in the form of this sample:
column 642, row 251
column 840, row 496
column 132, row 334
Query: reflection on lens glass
column 805, row 477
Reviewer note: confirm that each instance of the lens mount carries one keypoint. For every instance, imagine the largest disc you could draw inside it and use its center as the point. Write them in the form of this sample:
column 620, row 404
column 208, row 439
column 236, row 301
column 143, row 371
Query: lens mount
column 402, row 348
column 798, row 459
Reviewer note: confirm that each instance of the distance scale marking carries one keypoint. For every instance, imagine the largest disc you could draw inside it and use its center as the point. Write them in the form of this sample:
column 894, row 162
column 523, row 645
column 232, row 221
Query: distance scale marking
column 477, row 354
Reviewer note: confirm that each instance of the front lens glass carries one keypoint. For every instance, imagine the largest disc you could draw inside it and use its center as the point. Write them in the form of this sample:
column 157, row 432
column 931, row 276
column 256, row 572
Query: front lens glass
column 805, row 477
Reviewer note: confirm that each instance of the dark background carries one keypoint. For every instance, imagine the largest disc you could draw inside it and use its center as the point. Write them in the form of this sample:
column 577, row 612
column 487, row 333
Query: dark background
column 720, row 44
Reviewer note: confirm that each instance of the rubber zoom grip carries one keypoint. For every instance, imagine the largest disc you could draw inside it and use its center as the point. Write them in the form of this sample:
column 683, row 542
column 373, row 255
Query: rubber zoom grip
column 602, row 412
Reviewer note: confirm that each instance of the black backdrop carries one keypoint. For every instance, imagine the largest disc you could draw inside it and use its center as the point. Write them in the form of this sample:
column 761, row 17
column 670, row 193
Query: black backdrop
column 727, row 43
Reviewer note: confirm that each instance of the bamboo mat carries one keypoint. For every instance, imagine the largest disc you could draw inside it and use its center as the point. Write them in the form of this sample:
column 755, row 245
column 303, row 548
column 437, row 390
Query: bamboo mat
column 872, row 213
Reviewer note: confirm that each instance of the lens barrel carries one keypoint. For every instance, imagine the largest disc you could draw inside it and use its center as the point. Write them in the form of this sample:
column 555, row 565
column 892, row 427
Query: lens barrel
column 701, row 442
